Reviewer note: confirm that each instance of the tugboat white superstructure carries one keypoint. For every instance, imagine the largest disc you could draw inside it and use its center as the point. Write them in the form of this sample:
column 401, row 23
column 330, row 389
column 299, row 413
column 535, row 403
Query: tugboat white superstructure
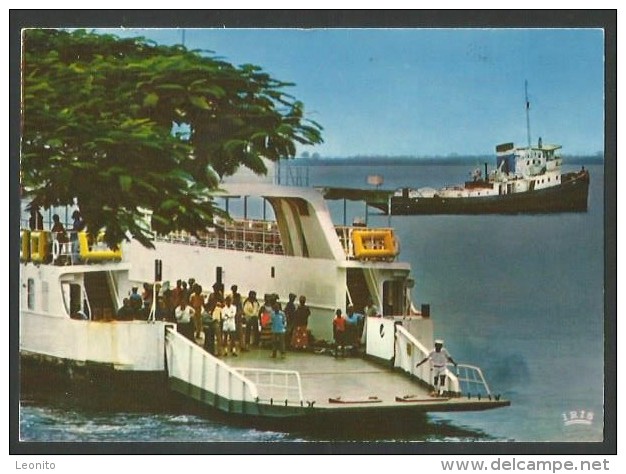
column 69, row 334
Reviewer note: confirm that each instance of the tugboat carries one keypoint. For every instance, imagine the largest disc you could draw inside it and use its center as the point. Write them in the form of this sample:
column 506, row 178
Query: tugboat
column 72, row 340
column 527, row 180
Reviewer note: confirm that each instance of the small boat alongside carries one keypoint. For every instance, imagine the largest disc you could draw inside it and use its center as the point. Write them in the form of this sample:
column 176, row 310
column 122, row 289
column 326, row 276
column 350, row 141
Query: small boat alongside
column 71, row 339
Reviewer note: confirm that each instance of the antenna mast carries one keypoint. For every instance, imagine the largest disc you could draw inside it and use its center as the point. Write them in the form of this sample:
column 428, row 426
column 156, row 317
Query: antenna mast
column 527, row 113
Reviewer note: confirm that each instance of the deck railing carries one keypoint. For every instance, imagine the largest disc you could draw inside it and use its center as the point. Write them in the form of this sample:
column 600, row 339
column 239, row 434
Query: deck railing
column 247, row 235
column 275, row 386
column 205, row 377
column 472, row 381
column 62, row 248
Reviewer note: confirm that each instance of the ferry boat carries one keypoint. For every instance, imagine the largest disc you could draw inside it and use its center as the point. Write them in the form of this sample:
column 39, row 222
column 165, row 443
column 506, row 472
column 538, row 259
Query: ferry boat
column 526, row 180
column 71, row 341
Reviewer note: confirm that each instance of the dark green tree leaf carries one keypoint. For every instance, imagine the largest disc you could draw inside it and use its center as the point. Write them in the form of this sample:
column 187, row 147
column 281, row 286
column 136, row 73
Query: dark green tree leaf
column 98, row 115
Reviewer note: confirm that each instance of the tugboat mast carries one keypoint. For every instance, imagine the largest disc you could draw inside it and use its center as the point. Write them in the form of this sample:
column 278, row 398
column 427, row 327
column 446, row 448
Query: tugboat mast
column 527, row 113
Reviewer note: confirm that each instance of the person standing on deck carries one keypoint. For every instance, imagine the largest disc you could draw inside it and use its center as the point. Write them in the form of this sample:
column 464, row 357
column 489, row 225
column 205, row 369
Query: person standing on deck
column 59, row 235
column 184, row 319
column 251, row 308
column 135, row 301
column 229, row 326
column 339, row 333
column 290, row 311
column 77, row 226
column 36, row 219
column 354, row 327
column 196, row 300
column 185, row 292
column 146, row 298
column 279, row 327
column 239, row 322
column 439, row 357
column 177, row 294
column 213, row 306
column 126, row 312
column 209, row 331
column 58, row 231
column 300, row 337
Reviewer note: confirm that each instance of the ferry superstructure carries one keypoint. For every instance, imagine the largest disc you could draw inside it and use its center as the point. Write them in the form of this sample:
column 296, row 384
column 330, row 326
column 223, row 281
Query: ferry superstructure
column 69, row 334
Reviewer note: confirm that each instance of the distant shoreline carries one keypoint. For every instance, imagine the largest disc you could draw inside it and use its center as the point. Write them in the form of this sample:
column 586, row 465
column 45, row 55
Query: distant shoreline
column 415, row 161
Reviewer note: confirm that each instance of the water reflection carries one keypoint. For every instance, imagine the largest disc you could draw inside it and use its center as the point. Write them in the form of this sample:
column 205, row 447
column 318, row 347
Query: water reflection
column 45, row 422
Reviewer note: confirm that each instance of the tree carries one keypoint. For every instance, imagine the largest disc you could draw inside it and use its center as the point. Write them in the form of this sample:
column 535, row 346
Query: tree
column 126, row 125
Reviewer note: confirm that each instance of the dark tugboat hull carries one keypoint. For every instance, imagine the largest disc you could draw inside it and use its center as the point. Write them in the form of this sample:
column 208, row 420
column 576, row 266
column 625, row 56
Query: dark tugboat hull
column 570, row 196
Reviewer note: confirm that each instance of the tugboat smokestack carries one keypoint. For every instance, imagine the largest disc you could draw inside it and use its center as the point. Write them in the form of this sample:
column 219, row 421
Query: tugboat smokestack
column 485, row 171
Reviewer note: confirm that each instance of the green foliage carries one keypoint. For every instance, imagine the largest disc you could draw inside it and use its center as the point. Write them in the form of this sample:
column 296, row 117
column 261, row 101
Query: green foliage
column 98, row 120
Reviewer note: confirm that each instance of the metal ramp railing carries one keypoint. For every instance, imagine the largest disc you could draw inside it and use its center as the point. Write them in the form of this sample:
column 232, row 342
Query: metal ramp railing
column 194, row 372
column 472, row 381
column 275, row 386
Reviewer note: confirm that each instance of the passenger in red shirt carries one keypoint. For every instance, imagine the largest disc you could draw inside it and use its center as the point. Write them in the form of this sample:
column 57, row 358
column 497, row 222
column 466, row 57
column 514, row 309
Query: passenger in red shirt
column 339, row 333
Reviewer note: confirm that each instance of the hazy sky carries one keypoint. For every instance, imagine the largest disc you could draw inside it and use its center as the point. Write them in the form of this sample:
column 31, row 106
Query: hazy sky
column 427, row 91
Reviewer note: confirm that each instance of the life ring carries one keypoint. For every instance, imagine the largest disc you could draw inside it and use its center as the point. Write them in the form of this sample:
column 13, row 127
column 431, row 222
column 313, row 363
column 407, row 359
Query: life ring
column 56, row 249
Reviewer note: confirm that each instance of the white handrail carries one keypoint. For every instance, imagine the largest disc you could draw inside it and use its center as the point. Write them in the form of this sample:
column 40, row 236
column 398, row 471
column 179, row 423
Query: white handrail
column 196, row 361
column 113, row 289
column 86, row 300
column 272, row 384
column 477, row 376
column 248, row 235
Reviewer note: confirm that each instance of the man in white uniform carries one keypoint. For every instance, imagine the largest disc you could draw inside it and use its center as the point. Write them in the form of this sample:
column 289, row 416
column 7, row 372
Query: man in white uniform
column 438, row 357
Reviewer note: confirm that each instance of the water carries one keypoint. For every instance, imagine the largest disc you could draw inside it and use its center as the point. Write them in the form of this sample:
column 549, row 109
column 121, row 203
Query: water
column 519, row 296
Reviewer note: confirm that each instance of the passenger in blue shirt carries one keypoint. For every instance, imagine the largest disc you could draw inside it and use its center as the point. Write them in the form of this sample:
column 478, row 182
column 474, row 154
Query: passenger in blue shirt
column 136, row 302
column 279, row 327
column 354, row 325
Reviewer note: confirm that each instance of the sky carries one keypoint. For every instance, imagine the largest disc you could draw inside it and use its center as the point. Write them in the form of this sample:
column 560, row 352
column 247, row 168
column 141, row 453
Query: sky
column 426, row 92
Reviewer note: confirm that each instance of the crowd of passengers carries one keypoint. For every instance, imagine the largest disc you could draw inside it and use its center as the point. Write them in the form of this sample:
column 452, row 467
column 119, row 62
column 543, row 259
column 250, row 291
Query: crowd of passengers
column 229, row 323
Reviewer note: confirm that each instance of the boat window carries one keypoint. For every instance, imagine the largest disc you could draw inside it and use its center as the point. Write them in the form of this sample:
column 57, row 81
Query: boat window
column 44, row 296
column 72, row 297
column 394, row 300
column 31, row 293
column 358, row 292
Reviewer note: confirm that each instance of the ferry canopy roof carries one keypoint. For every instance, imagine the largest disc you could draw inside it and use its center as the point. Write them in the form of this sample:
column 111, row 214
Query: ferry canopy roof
column 370, row 196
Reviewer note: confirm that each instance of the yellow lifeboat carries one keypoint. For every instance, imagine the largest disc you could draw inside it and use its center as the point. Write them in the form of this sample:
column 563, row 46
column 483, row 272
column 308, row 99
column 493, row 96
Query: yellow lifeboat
column 25, row 245
column 97, row 252
column 374, row 244
column 39, row 248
